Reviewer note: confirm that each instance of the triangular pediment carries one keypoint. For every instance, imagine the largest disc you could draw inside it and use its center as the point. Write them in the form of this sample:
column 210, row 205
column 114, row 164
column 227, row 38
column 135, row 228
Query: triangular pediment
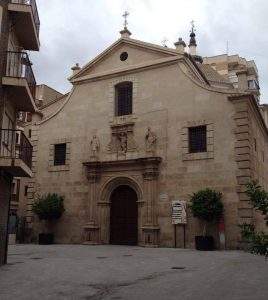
column 137, row 53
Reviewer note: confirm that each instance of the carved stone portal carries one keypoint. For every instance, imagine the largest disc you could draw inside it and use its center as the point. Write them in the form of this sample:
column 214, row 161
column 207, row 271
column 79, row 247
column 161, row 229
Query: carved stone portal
column 104, row 176
column 122, row 139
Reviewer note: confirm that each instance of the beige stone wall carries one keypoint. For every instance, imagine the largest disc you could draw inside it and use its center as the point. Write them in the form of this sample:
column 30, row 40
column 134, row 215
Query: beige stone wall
column 167, row 101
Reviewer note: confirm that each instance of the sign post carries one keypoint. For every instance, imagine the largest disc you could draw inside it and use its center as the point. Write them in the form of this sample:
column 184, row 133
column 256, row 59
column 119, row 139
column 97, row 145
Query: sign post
column 178, row 216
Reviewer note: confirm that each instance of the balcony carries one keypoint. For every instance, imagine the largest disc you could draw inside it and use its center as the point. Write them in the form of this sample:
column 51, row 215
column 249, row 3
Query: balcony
column 20, row 81
column 26, row 22
column 15, row 153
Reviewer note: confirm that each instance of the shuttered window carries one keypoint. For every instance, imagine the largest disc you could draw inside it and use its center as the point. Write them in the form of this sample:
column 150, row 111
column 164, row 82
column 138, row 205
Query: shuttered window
column 197, row 139
column 123, row 99
column 59, row 154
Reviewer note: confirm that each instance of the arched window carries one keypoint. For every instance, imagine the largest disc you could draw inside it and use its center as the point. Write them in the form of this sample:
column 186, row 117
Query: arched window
column 123, row 98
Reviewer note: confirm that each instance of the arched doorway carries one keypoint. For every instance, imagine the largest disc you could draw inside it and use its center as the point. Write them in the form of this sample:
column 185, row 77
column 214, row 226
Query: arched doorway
column 124, row 216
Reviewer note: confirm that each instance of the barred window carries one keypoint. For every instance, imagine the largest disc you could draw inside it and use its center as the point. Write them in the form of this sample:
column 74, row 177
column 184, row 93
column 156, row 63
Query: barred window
column 59, row 154
column 197, row 139
column 123, row 99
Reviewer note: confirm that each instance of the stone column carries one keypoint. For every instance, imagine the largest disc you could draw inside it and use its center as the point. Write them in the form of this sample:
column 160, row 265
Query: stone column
column 150, row 228
column 91, row 228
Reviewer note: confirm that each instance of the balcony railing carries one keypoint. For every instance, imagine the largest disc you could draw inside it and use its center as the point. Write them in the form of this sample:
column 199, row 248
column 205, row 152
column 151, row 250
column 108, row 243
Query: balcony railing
column 31, row 3
column 19, row 66
column 14, row 144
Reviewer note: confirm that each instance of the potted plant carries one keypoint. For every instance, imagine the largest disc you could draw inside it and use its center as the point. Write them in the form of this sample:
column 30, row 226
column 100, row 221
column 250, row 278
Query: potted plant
column 207, row 206
column 48, row 208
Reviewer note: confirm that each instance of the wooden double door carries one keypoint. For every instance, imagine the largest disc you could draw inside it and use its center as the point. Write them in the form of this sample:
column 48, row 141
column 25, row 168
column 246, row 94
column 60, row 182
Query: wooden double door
column 124, row 216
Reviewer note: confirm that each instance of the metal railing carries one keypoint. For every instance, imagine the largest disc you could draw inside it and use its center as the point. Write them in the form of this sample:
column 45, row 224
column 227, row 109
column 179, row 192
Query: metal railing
column 19, row 65
column 33, row 5
column 14, row 144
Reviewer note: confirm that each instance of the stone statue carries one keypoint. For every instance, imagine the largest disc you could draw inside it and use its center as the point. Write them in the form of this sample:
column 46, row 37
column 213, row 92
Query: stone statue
column 94, row 146
column 123, row 142
column 150, row 139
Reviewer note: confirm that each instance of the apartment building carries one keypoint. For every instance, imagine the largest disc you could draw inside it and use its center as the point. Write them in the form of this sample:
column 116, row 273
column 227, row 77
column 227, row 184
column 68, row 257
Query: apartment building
column 19, row 33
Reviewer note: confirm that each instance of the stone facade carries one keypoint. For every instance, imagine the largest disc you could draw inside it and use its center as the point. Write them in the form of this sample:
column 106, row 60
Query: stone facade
column 170, row 94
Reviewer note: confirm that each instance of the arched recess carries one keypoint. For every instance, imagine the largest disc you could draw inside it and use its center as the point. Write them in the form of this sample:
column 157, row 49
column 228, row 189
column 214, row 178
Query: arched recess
column 105, row 204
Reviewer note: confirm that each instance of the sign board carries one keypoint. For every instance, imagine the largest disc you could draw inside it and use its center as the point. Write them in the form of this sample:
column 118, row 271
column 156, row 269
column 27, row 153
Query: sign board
column 179, row 212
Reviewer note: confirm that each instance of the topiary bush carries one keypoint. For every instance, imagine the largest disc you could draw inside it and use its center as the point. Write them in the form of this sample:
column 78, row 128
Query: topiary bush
column 49, row 207
column 207, row 205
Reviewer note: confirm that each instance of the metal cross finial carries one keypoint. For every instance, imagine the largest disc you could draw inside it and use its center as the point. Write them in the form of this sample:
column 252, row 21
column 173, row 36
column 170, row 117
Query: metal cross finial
column 164, row 42
column 125, row 15
column 193, row 27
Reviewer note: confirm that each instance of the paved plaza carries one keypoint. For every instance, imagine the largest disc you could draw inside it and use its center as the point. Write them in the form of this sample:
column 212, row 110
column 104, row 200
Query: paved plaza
column 130, row 273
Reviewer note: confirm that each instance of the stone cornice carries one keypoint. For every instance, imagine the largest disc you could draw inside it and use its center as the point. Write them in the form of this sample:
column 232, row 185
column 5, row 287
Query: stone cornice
column 130, row 69
column 148, row 165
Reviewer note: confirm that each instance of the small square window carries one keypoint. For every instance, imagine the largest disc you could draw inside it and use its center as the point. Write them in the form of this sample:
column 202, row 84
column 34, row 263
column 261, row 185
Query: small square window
column 197, row 139
column 59, row 154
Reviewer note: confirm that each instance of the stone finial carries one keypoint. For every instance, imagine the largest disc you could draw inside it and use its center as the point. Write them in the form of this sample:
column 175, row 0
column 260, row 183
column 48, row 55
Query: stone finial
column 125, row 33
column 180, row 45
column 76, row 68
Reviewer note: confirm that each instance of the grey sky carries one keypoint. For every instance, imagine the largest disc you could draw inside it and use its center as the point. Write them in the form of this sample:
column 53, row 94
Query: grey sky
column 76, row 31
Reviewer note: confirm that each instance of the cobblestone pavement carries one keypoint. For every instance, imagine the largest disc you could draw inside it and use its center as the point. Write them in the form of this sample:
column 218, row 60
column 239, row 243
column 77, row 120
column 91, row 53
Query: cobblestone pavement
column 119, row 272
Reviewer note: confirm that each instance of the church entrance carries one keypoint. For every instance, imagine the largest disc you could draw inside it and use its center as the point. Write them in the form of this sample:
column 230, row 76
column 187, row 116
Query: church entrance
column 124, row 216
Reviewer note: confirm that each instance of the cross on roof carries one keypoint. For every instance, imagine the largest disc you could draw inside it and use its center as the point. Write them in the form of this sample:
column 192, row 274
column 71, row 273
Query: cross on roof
column 193, row 27
column 164, row 42
column 125, row 16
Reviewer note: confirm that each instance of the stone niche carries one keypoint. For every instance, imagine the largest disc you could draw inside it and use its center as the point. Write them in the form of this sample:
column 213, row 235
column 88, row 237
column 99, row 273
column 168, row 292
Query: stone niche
column 104, row 176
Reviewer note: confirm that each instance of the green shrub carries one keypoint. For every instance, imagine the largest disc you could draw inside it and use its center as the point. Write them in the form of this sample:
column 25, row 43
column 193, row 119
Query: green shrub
column 207, row 205
column 49, row 207
column 258, row 197
column 257, row 241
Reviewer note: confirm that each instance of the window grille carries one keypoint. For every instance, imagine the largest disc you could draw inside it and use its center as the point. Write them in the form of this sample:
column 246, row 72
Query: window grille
column 59, row 154
column 123, row 99
column 197, row 139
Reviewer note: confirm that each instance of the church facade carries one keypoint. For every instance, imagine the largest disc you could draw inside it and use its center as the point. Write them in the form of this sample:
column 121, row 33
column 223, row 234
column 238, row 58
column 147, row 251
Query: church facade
column 142, row 126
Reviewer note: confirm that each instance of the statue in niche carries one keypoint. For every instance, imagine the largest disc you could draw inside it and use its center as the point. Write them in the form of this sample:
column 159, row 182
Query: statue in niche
column 122, row 137
column 94, row 146
column 150, row 139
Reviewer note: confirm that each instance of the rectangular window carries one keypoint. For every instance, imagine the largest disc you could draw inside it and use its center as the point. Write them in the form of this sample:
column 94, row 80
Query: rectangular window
column 25, row 190
column 123, row 93
column 197, row 139
column 30, row 133
column 59, row 154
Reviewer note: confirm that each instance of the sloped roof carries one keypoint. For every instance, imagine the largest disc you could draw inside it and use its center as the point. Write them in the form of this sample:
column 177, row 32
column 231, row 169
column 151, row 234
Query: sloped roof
column 213, row 75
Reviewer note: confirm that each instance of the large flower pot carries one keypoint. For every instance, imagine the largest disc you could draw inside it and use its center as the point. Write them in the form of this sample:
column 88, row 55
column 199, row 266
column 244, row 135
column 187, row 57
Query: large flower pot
column 46, row 238
column 205, row 243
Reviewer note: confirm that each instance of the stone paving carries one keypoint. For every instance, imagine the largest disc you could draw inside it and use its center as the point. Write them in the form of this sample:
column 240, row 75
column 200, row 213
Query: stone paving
column 121, row 272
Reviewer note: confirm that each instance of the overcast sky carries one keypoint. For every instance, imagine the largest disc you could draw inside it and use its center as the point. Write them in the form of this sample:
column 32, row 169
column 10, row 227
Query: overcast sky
column 76, row 31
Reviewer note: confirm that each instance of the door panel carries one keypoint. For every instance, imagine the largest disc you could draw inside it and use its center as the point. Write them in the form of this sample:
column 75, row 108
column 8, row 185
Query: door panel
column 124, row 216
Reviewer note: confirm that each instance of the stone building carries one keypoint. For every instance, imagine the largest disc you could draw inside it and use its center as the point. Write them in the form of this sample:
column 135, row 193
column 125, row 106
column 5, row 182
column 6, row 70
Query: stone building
column 144, row 125
column 19, row 31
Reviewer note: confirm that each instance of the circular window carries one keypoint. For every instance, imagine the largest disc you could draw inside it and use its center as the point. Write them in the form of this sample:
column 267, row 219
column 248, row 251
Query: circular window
column 123, row 56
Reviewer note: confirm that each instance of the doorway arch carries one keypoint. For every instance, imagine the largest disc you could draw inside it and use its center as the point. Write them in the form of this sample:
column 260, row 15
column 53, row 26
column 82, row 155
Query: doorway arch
column 124, row 216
